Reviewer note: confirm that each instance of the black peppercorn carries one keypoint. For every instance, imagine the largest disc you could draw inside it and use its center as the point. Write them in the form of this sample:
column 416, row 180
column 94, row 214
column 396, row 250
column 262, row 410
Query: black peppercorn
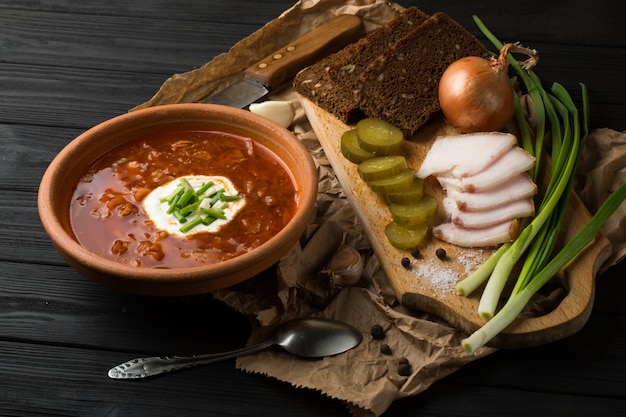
column 377, row 332
column 404, row 369
column 385, row 349
column 406, row 262
column 441, row 253
column 415, row 252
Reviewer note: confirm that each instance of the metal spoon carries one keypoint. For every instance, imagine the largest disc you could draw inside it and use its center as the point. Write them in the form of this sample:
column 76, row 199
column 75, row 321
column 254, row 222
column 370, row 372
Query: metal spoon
column 310, row 337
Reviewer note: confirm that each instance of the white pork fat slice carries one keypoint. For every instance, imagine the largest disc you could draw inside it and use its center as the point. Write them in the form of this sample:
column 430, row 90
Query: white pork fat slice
column 477, row 238
column 466, row 154
column 490, row 217
column 509, row 165
column 521, row 186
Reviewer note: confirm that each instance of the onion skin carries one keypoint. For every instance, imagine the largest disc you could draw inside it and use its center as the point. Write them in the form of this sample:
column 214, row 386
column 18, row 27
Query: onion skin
column 476, row 95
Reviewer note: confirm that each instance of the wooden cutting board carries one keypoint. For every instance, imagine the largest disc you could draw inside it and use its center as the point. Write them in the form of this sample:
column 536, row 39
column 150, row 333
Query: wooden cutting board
column 428, row 285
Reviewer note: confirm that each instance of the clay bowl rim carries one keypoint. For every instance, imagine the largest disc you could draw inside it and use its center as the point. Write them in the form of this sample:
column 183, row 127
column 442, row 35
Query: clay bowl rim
column 175, row 281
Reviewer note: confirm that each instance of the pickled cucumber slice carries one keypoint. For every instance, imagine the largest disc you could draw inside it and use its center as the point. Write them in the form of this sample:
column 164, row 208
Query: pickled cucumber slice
column 413, row 214
column 351, row 149
column 381, row 167
column 412, row 194
column 403, row 236
column 379, row 136
column 396, row 183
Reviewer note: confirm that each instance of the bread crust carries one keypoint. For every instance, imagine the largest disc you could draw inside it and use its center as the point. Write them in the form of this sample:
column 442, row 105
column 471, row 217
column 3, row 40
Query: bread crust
column 392, row 73
column 329, row 82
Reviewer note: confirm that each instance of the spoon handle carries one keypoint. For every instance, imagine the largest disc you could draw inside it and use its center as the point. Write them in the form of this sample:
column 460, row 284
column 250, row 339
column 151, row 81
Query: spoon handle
column 155, row 365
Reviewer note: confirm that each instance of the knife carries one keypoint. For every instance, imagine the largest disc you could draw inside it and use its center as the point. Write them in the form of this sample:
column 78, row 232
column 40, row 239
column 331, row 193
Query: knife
column 280, row 67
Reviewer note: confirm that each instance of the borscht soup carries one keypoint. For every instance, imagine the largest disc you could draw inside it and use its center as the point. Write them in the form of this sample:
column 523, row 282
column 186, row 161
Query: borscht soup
column 182, row 198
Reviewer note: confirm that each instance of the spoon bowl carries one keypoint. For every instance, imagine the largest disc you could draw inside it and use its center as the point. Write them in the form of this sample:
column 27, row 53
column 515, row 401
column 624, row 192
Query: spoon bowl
column 308, row 337
column 316, row 338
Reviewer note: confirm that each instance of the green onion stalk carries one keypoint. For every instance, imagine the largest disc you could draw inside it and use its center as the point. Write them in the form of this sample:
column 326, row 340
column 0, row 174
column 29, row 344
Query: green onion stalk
column 516, row 303
column 539, row 236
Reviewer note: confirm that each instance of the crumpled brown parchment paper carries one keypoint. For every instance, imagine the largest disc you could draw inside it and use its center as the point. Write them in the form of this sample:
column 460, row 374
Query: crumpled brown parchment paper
column 601, row 170
column 366, row 380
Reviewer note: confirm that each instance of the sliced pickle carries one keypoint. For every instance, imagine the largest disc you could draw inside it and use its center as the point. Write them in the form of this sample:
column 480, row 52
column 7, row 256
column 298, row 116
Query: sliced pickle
column 351, row 149
column 413, row 214
column 412, row 194
column 382, row 167
column 403, row 236
column 396, row 183
column 379, row 136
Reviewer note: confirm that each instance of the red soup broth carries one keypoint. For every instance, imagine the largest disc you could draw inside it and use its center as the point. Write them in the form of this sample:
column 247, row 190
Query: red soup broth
column 108, row 217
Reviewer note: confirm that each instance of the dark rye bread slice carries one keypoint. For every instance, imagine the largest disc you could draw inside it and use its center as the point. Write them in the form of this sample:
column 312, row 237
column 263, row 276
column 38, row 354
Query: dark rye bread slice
column 329, row 82
column 401, row 85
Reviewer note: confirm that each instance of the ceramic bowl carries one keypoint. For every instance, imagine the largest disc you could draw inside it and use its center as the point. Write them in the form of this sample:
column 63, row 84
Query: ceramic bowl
column 61, row 177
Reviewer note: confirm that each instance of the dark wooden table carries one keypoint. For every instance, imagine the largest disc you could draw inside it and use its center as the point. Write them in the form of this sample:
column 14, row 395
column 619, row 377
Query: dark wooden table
column 66, row 66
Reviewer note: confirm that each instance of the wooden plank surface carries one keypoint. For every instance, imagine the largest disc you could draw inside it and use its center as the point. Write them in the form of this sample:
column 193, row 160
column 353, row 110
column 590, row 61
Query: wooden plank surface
column 92, row 60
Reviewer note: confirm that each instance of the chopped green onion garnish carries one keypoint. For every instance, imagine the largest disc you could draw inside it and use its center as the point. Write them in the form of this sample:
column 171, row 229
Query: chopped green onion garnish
column 204, row 188
column 208, row 220
column 185, row 183
column 217, row 196
column 185, row 198
column 208, row 203
column 177, row 191
column 215, row 212
column 190, row 208
column 176, row 213
column 229, row 198
column 173, row 204
column 193, row 223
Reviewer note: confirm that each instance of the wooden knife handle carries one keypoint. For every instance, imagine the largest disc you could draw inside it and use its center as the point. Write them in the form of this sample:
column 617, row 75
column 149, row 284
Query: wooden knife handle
column 281, row 66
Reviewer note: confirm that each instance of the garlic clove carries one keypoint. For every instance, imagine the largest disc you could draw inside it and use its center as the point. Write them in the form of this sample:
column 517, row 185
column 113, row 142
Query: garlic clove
column 345, row 267
column 281, row 112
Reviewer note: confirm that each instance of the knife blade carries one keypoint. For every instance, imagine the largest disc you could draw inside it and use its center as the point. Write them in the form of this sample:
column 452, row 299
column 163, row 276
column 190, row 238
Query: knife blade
column 280, row 67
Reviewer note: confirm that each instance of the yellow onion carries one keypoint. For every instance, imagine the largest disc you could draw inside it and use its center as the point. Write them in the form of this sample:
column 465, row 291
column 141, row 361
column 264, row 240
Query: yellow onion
column 476, row 95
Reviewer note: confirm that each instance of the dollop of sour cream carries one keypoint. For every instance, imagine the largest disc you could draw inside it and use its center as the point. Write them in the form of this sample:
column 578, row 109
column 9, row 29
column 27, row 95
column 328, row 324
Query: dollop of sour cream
column 156, row 208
